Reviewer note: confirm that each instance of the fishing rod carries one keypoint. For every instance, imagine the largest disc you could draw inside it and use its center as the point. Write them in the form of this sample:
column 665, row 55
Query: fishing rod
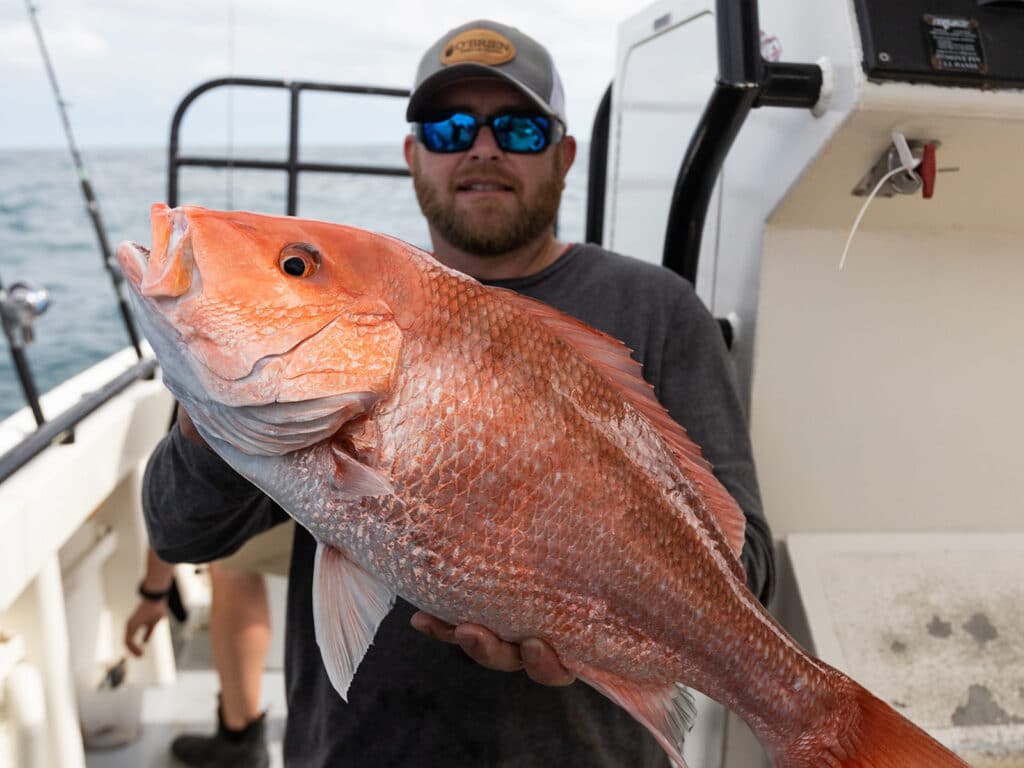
column 92, row 206
column 19, row 306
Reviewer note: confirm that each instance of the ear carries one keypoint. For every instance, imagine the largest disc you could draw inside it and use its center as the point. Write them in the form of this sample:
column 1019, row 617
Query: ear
column 409, row 149
column 567, row 148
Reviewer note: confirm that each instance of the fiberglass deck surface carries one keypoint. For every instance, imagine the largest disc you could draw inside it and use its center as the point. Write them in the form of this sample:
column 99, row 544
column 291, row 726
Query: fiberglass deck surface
column 190, row 706
column 932, row 623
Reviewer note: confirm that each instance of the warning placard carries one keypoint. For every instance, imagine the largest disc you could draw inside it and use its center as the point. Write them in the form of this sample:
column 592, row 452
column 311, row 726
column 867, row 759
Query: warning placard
column 955, row 44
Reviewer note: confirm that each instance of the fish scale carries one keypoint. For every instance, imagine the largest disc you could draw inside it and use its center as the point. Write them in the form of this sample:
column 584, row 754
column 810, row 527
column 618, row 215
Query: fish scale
column 490, row 460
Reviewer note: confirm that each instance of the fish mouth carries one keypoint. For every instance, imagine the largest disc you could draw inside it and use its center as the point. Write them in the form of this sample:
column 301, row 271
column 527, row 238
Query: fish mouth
column 134, row 260
column 168, row 270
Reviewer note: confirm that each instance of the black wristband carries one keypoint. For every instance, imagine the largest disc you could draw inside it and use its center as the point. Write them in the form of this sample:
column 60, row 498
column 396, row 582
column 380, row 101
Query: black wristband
column 155, row 597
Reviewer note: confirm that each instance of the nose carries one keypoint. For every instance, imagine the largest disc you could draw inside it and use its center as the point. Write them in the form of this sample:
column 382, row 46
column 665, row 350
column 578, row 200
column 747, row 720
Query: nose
column 485, row 145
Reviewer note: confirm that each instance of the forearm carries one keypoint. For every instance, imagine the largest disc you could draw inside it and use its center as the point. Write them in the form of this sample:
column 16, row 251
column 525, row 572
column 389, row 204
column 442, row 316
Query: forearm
column 196, row 507
column 159, row 574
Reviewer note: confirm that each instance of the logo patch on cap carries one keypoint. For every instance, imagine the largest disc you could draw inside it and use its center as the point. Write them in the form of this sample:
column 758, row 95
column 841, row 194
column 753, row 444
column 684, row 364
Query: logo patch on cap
column 480, row 46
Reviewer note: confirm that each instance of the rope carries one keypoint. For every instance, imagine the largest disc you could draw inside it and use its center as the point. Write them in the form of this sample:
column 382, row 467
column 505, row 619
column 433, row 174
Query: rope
column 230, row 178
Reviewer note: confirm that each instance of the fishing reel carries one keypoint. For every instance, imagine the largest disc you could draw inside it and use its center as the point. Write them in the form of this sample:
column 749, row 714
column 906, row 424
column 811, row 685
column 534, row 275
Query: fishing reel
column 20, row 305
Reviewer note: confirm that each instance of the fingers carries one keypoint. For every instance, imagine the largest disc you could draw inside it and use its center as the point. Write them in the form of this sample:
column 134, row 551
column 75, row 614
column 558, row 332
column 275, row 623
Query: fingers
column 487, row 649
column 146, row 617
column 431, row 626
column 129, row 640
column 542, row 663
column 482, row 645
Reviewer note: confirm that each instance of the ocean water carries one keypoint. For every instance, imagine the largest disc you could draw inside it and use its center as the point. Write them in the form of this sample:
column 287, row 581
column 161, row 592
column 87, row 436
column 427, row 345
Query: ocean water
column 47, row 237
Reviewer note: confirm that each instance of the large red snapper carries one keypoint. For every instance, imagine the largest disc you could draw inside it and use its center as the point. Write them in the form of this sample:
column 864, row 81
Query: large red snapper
column 490, row 460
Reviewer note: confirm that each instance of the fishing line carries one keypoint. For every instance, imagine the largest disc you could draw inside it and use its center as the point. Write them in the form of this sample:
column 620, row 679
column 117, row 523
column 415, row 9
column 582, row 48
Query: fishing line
column 907, row 165
column 230, row 177
column 91, row 204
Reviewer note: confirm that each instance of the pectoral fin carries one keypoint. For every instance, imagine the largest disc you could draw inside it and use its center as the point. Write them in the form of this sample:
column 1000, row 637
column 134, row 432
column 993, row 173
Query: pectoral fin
column 353, row 480
column 348, row 606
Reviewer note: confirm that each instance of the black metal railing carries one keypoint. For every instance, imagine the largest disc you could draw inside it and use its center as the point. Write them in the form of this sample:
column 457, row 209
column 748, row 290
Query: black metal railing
column 21, row 303
column 597, row 170
column 745, row 81
column 61, row 427
column 56, row 428
column 292, row 166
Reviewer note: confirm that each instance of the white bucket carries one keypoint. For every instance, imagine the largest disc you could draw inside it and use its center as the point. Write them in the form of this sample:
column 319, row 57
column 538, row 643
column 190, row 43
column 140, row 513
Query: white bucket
column 110, row 716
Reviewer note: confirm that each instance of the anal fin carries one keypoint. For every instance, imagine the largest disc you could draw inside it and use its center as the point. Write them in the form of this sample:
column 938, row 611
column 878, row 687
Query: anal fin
column 348, row 606
column 667, row 711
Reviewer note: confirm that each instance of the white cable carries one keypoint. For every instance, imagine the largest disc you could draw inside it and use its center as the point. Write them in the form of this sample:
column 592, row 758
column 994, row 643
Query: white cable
column 908, row 164
column 863, row 210
column 903, row 150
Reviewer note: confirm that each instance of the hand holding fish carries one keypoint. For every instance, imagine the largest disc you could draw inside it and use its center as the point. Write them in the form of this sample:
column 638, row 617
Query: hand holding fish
column 534, row 656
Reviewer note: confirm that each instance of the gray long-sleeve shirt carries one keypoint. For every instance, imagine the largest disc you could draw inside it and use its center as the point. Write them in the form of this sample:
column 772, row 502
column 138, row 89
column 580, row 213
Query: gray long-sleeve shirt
column 417, row 702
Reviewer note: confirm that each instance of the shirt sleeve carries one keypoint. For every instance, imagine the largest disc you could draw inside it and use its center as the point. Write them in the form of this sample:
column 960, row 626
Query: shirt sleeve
column 698, row 387
column 196, row 507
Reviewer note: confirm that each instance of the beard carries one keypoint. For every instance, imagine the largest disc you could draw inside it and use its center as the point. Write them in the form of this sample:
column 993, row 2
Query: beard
column 491, row 229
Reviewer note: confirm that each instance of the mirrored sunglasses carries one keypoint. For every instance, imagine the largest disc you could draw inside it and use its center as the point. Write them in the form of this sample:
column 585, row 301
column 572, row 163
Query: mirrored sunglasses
column 521, row 132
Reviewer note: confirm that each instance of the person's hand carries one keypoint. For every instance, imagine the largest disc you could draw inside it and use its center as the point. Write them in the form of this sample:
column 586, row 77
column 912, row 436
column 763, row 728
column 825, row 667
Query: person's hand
column 188, row 429
column 147, row 615
column 487, row 649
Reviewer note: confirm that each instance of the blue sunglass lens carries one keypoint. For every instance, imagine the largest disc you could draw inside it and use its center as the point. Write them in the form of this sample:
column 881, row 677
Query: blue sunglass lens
column 513, row 133
column 453, row 134
column 521, row 133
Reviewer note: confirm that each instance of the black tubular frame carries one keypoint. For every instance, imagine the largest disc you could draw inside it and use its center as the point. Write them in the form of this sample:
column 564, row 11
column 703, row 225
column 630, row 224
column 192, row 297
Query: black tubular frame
column 61, row 426
column 745, row 81
column 597, row 173
column 57, row 428
column 292, row 166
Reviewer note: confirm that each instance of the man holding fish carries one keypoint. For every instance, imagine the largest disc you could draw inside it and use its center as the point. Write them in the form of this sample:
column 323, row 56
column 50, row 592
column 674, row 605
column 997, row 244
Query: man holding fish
column 489, row 154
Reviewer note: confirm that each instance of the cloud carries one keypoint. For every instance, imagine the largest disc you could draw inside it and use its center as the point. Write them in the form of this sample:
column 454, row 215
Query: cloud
column 137, row 58
column 20, row 49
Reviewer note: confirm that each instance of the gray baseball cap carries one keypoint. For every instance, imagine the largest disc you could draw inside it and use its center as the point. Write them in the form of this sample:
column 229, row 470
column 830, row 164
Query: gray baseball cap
column 488, row 49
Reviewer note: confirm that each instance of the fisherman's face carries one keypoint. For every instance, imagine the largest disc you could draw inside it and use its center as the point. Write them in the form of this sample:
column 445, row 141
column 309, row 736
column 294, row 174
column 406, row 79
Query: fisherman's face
column 486, row 201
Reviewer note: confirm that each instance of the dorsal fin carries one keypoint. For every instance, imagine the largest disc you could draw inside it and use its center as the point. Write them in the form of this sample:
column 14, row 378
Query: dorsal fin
column 612, row 358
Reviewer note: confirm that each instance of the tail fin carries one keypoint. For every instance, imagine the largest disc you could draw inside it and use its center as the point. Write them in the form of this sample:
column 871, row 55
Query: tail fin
column 876, row 737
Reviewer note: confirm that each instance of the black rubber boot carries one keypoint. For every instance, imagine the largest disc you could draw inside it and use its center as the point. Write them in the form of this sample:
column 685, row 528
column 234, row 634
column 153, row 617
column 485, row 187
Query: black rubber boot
column 246, row 748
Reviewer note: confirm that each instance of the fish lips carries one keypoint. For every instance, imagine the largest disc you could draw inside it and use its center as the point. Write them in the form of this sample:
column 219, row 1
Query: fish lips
column 134, row 260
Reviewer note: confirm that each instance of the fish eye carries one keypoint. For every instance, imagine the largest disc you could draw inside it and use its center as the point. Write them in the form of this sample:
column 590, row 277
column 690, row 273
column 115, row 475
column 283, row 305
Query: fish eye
column 299, row 260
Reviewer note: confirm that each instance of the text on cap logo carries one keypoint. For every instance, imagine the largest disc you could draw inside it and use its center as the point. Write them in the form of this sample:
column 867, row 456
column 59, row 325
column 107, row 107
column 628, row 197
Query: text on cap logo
column 480, row 46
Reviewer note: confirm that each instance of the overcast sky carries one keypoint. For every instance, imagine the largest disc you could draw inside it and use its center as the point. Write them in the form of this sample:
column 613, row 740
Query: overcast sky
column 123, row 65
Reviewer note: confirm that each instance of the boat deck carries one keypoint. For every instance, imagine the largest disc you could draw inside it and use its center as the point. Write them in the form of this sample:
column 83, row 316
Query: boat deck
column 190, row 704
